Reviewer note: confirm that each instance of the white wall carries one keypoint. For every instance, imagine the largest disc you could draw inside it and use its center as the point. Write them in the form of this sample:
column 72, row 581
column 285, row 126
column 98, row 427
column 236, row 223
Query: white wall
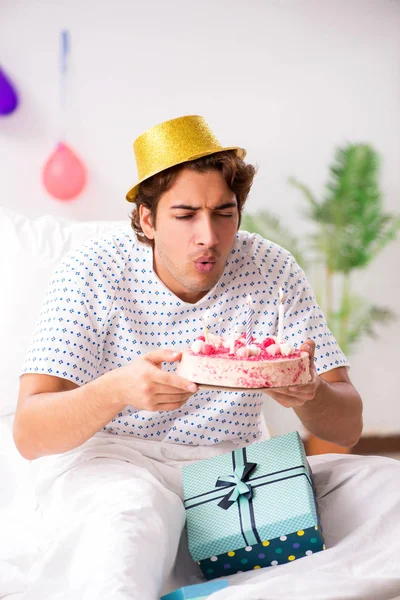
column 288, row 80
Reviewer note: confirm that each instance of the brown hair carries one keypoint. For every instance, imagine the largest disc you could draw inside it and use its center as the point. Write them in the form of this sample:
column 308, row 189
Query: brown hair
column 238, row 175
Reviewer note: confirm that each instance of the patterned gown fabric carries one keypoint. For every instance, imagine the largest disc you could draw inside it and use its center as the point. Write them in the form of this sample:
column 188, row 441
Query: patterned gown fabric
column 106, row 306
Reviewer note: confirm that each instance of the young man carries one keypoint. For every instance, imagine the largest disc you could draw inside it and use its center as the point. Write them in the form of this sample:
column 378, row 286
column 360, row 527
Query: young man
column 93, row 389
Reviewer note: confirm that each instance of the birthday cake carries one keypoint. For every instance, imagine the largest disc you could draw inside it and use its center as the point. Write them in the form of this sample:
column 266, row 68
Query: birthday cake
column 237, row 364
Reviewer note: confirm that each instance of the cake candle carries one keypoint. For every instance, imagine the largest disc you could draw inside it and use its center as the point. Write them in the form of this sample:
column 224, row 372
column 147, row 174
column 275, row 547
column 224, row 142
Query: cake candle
column 205, row 326
column 233, row 337
column 281, row 315
column 220, row 326
column 249, row 326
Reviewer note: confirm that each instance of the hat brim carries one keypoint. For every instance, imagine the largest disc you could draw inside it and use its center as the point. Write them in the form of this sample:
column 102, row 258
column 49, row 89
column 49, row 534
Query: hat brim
column 131, row 195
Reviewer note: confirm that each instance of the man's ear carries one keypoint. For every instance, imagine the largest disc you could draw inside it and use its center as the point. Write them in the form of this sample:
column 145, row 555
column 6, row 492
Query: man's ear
column 146, row 221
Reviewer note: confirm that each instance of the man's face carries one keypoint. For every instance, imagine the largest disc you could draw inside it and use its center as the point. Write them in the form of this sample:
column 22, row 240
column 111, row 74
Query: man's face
column 194, row 232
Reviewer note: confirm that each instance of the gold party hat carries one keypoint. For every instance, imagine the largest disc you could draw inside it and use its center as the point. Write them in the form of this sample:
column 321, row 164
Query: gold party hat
column 172, row 143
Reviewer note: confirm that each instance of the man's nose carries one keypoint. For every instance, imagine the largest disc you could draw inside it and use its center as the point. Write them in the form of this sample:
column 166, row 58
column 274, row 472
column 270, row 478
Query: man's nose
column 206, row 234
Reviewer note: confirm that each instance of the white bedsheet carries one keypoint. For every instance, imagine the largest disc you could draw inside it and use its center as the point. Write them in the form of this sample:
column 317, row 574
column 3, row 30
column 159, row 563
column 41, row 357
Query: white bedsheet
column 18, row 518
column 359, row 500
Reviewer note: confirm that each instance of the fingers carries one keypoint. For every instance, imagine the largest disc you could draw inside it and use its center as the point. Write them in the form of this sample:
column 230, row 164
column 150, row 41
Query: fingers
column 288, row 400
column 159, row 388
column 164, row 402
column 295, row 391
column 293, row 396
column 169, row 407
column 309, row 346
column 157, row 357
column 175, row 381
column 171, row 401
column 304, row 389
column 160, row 392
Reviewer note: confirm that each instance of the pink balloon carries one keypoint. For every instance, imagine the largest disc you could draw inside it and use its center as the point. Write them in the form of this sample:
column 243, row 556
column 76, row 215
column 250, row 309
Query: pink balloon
column 64, row 174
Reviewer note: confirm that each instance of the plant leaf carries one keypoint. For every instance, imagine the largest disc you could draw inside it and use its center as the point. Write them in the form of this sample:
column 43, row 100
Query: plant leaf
column 351, row 226
column 270, row 226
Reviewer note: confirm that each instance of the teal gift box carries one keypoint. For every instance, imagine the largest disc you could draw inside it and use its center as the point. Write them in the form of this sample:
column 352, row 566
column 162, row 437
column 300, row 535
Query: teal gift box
column 252, row 508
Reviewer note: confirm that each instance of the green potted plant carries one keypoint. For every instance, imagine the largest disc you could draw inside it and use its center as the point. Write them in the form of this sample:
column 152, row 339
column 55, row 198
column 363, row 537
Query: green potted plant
column 350, row 229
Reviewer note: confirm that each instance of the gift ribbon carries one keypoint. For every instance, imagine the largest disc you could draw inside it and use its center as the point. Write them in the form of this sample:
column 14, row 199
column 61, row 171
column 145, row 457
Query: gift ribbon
column 238, row 480
column 241, row 468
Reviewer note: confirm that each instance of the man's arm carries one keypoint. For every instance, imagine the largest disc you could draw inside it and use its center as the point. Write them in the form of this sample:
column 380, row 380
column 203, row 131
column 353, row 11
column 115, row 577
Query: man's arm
column 335, row 412
column 54, row 415
column 328, row 406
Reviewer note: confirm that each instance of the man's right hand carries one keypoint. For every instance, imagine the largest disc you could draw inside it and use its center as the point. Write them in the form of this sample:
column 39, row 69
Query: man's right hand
column 145, row 386
column 55, row 415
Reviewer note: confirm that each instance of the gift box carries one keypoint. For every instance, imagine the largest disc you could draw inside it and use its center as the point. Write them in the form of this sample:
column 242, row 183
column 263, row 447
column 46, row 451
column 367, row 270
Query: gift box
column 198, row 591
column 251, row 508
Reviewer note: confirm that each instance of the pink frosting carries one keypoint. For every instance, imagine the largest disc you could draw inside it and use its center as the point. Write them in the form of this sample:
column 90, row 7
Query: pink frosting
column 213, row 352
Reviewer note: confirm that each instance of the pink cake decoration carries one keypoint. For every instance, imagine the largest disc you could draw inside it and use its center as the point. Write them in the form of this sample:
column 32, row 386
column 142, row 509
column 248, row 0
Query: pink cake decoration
column 234, row 364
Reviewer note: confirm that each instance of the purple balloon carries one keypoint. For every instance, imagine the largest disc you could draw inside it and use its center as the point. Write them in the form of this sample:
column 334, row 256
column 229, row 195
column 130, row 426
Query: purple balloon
column 8, row 96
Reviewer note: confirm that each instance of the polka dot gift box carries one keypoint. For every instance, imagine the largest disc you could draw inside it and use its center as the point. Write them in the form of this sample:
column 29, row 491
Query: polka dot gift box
column 251, row 508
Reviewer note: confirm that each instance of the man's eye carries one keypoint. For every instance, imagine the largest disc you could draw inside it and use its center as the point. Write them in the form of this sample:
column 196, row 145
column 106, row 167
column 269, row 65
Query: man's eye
column 225, row 215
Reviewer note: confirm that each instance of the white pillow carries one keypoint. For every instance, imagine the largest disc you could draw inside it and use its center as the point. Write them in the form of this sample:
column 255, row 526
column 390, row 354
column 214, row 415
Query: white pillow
column 30, row 250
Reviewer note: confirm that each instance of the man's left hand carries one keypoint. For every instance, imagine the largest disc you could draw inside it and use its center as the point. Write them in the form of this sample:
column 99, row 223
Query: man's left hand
column 296, row 396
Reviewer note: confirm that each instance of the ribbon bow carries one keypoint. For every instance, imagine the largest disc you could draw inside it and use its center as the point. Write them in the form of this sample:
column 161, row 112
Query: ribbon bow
column 238, row 481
